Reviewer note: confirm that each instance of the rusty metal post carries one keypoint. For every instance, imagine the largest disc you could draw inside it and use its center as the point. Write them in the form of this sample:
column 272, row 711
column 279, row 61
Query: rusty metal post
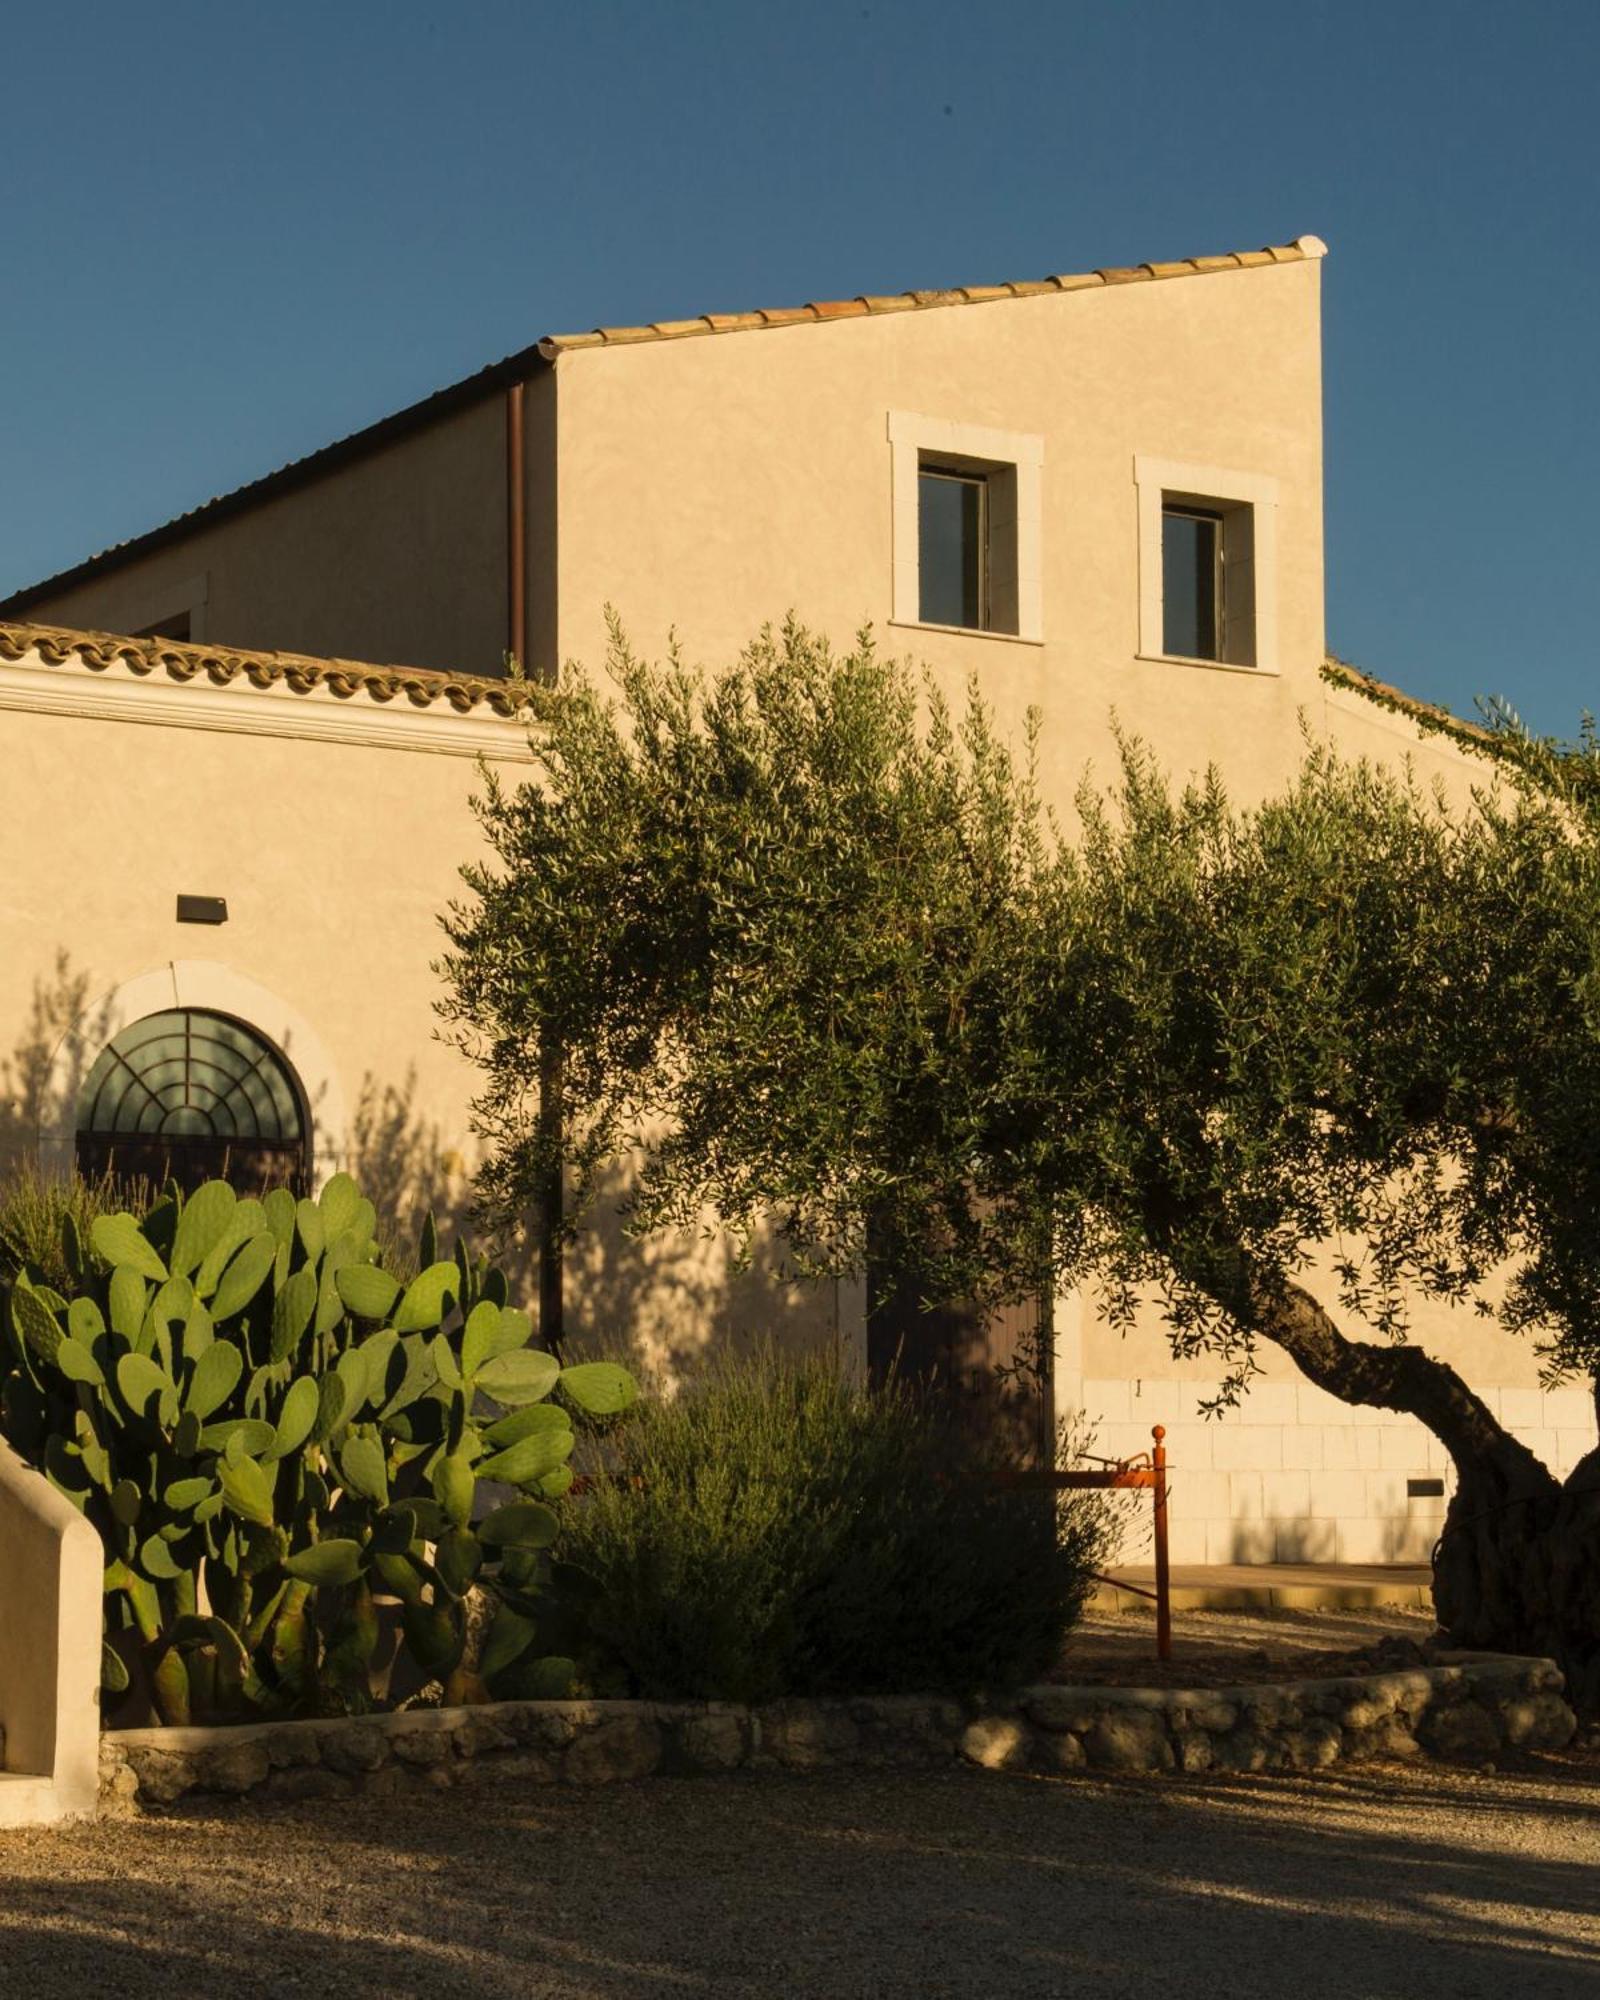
column 1158, row 1461
column 551, row 1206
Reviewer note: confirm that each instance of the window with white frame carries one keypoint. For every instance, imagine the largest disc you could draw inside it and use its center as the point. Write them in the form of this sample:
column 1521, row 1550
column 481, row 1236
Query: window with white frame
column 1207, row 565
column 966, row 527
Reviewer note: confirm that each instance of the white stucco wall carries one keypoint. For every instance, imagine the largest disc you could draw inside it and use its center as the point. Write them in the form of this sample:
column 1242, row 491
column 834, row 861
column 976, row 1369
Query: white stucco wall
column 1294, row 1475
column 51, row 1566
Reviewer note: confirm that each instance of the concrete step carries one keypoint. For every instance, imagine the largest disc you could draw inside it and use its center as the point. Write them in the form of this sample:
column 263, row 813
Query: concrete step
column 1273, row 1587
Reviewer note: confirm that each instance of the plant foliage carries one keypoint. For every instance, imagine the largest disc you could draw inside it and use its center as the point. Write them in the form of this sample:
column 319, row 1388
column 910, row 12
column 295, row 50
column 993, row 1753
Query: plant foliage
column 273, row 1435
column 817, row 955
column 766, row 921
column 778, row 1530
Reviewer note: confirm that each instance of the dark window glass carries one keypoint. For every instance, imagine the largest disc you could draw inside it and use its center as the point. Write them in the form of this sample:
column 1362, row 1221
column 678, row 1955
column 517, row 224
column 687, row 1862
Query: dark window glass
column 950, row 549
column 1189, row 567
column 196, row 1097
column 177, row 627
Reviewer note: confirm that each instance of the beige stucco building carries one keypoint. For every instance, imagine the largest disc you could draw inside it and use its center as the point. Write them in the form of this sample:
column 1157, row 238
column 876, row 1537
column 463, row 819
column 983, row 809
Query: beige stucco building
column 1102, row 494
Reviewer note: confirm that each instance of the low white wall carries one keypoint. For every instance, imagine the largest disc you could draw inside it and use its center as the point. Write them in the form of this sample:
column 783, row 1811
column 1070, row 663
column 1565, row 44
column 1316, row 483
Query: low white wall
column 1294, row 1475
column 51, row 1571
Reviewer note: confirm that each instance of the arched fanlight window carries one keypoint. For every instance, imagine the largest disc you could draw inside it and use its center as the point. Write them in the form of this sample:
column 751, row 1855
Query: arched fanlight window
column 193, row 1096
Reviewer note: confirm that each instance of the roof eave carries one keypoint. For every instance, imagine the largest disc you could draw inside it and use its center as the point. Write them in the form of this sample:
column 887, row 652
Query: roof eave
column 443, row 403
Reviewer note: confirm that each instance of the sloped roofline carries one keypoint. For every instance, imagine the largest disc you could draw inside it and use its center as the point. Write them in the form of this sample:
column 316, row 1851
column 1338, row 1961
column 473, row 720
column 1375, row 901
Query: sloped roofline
column 1303, row 248
column 1429, row 717
column 543, row 354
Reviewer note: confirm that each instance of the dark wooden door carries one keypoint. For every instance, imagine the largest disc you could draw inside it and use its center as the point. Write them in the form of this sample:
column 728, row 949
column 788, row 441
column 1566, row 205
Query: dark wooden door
column 993, row 1365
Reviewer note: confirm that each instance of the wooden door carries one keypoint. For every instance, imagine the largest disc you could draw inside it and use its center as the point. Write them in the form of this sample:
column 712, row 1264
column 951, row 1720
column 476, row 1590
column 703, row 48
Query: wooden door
column 993, row 1365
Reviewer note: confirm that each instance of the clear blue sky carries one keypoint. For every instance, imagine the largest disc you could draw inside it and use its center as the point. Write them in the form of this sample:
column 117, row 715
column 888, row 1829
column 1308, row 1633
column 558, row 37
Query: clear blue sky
column 232, row 233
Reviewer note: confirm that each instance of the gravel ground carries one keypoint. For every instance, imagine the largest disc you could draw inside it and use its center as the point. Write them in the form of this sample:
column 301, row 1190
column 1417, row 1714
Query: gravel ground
column 1380, row 1885
column 1216, row 1648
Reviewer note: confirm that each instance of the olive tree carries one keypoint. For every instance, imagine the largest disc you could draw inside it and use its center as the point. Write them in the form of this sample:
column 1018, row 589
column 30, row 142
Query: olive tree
column 815, row 955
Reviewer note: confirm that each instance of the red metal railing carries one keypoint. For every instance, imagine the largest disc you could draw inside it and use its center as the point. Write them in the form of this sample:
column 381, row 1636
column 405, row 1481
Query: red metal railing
column 1145, row 1469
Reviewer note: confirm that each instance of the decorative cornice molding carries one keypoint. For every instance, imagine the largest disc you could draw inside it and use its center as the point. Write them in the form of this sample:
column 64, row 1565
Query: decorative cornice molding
column 115, row 694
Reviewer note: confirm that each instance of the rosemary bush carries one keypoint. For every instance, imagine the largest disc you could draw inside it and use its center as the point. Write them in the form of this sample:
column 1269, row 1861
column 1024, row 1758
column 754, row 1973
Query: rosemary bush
column 778, row 1529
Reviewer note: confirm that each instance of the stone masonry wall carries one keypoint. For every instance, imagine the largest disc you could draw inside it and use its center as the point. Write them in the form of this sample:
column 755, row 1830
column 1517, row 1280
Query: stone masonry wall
column 1473, row 1706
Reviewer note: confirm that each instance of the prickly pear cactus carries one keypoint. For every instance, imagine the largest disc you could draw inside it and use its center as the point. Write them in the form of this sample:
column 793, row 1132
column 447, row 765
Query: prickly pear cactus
column 274, row 1437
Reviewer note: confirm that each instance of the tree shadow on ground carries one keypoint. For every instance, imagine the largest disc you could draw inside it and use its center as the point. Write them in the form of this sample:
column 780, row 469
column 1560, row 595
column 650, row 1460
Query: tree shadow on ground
column 1394, row 1884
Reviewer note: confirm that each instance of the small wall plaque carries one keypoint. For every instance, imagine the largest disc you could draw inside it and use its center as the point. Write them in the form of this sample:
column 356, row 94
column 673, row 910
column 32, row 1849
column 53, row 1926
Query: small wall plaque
column 1424, row 1489
column 202, row 910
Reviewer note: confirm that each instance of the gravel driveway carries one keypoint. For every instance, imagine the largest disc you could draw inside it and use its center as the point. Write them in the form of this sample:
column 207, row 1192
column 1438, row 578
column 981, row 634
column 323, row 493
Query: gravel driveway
column 1382, row 1883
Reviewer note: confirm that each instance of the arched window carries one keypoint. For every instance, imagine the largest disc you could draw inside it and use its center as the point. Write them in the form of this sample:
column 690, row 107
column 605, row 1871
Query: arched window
column 195, row 1097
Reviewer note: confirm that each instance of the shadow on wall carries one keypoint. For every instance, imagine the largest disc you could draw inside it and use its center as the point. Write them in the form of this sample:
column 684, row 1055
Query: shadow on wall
column 405, row 1167
column 666, row 1300
column 1361, row 1542
column 1387, row 1538
column 60, row 1002
column 400, row 1158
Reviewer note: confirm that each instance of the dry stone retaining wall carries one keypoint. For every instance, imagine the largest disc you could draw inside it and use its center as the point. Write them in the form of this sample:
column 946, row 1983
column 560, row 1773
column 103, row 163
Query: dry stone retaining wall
column 1475, row 1706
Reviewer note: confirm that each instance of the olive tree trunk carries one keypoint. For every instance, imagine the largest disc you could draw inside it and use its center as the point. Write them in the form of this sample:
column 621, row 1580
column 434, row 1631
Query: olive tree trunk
column 1517, row 1566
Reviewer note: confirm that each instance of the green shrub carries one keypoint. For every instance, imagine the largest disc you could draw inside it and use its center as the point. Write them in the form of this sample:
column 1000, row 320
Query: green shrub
column 272, row 1434
column 34, row 1207
column 779, row 1530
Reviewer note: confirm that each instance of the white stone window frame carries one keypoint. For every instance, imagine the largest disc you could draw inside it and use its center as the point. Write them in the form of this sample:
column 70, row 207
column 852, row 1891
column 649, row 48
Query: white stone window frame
column 1158, row 480
column 1016, row 506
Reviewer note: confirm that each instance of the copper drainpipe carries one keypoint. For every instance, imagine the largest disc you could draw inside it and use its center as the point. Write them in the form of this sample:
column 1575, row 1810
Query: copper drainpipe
column 516, row 532
column 550, row 1200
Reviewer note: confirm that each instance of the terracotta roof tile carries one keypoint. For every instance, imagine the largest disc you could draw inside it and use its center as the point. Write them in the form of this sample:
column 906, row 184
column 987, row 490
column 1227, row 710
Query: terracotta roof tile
column 521, row 365
column 1282, row 253
column 346, row 680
